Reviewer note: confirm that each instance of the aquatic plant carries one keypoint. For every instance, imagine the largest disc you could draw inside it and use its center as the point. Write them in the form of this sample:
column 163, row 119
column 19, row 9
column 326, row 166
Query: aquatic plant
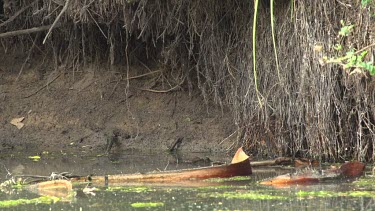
column 147, row 204
column 17, row 202
column 335, row 194
column 252, row 195
column 140, row 189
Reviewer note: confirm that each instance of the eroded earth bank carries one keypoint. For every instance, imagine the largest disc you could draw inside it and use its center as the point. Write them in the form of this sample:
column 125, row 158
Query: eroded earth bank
column 68, row 108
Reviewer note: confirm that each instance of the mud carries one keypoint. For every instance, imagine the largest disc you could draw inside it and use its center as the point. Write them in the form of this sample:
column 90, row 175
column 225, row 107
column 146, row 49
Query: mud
column 69, row 108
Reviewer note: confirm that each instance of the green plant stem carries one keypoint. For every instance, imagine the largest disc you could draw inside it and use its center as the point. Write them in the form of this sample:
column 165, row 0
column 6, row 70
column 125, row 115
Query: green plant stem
column 291, row 9
column 274, row 38
column 254, row 51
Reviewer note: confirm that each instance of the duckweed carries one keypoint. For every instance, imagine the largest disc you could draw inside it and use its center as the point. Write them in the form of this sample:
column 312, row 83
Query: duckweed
column 317, row 193
column 40, row 200
column 252, row 195
column 147, row 204
column 140, row 189
column 366, row 181
column 213, row 187
column 239, row 178
column 335, row 194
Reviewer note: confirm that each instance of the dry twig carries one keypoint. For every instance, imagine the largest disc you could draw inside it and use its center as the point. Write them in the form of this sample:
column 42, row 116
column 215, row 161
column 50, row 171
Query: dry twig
column 56, row 20
column 26, row 31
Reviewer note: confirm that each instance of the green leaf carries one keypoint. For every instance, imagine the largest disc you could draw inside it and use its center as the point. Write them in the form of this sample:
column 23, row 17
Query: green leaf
column 362, row 55
column 346, row 30
column 368, row 66
column 350, row 53
column 338, row 47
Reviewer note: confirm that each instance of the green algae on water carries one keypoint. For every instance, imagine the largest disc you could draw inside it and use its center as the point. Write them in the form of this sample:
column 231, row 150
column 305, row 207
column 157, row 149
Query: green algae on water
column 140, row 189
column 251, row 195
column 366, row 181
column 362, row 194
column 147, row 204
column 213, row 187
column 40, row 200
column 317, row 193
column 238, row 178
column 327, row 194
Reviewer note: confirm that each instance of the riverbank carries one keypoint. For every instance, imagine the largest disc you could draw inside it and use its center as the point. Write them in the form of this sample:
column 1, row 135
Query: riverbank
column 79, row 110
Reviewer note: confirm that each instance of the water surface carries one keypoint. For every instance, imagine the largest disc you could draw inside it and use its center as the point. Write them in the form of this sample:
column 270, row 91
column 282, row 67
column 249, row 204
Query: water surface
column 242, row 193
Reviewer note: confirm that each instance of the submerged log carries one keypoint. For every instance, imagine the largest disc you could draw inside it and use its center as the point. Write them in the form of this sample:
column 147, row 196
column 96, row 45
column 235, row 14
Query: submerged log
column 347, row 170
column 56, row 188
column 285, row 161
column 49, row 185
column 278, row 161
column 240, row 166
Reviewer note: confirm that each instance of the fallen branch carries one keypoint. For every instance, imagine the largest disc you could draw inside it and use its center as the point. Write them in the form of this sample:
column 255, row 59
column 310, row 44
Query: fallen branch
column 296, row 162
column 28, row 56
column 278, row 161
column 164, row 91
column 176, row 145
column 25, row 31
column 142, row 75
column 56, row 20
column 15, row 15
column 41, row 88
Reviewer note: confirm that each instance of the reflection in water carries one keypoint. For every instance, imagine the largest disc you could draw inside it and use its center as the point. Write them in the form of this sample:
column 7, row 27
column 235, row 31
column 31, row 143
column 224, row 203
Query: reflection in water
column 244, row 194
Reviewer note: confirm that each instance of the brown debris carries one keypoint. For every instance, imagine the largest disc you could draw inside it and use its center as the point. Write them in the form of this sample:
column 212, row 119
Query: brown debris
column 57, row 188
column 347, row 170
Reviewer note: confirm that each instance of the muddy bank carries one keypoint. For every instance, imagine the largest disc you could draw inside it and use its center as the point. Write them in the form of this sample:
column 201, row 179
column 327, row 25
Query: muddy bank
column 79, row 110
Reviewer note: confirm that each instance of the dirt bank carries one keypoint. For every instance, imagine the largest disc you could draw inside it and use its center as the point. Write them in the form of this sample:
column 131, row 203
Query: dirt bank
column 79, row 110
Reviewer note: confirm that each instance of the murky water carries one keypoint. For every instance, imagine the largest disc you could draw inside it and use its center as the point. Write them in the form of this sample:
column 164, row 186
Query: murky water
column 232, row 194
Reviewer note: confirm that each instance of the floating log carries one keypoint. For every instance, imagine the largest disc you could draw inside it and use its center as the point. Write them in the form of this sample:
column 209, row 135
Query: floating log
column 347, row 170
column 288, row 179
column 278, row 161
column 285, row 161
column 240, row 166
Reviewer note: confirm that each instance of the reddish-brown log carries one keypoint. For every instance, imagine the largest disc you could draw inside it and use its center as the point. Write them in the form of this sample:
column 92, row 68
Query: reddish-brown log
column 347, row 170
column 352, row 169
column 240, row 166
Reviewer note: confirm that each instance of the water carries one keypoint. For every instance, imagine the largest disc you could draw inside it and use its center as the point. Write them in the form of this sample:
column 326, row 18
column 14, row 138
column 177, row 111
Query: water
column 233, row 194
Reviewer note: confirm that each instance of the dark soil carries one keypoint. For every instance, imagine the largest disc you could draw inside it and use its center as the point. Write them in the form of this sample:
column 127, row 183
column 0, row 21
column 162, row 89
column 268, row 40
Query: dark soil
column 81, row 109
